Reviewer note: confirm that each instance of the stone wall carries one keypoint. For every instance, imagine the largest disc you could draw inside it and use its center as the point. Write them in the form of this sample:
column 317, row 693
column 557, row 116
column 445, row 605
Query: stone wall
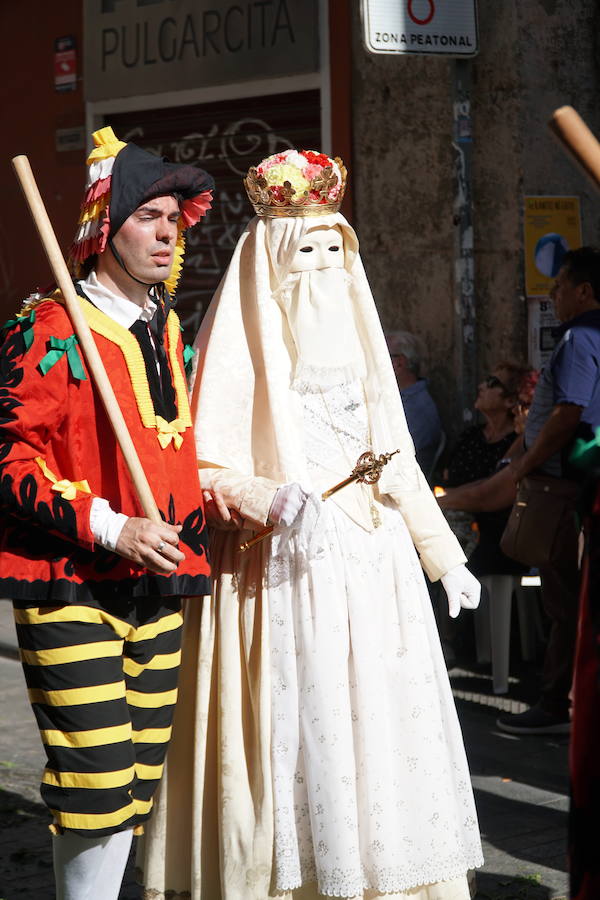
column 535, row 55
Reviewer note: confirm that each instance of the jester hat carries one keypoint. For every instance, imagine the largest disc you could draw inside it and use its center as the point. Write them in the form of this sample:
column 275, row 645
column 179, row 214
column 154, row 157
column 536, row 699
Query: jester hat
column 120, row 178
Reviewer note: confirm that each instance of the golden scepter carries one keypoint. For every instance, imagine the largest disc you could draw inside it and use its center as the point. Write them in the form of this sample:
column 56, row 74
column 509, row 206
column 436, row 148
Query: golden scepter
column 367, row 470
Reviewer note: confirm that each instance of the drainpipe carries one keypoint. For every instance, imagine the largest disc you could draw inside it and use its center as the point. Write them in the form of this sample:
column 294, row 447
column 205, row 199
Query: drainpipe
column 464, row 274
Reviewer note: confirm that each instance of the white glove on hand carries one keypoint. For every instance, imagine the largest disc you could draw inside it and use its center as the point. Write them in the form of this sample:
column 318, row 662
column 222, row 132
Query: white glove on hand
column 287, row 504
column 462, row 589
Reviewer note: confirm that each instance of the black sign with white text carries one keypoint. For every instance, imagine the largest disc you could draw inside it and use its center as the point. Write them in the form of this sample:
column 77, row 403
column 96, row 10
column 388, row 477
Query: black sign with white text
column 148, row 46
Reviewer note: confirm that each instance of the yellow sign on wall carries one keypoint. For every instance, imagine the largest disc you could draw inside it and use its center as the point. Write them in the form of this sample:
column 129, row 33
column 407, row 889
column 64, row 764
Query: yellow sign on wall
column 552, row 226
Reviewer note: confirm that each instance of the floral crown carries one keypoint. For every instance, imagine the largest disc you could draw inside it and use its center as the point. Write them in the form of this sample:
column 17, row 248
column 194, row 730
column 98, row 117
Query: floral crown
column 296, row 183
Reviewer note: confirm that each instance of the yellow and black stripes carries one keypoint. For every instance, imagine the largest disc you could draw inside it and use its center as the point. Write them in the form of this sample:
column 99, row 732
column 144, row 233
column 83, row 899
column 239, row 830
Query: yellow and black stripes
column 103, row 685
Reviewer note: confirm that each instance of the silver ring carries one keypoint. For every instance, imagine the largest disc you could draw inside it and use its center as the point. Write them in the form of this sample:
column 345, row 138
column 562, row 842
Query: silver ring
column 160, row 547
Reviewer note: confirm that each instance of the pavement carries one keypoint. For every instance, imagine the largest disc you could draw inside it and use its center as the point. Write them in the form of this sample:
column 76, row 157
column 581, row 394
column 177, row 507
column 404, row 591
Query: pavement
column 520, row 783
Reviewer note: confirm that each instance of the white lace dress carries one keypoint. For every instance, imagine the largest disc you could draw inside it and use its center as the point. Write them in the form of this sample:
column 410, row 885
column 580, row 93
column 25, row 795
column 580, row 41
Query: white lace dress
column 371, row 786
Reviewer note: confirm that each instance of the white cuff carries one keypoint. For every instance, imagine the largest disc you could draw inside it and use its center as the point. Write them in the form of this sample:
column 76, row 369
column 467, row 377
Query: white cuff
column 105, row 524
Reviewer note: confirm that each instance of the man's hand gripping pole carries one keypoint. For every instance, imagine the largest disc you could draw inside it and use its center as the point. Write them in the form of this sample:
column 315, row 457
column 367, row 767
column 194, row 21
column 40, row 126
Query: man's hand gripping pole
column 84, row 336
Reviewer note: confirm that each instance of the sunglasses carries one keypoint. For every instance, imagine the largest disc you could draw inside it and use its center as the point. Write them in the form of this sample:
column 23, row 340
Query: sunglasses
column 492, row 381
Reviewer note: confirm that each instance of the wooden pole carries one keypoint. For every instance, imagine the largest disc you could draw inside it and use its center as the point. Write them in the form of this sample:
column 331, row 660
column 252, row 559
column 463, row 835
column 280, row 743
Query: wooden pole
column 575, row 136
column 84, row 336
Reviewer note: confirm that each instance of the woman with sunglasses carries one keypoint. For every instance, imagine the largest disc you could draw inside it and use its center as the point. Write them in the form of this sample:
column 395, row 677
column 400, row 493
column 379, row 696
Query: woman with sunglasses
column 479, row 452
column 481, row 447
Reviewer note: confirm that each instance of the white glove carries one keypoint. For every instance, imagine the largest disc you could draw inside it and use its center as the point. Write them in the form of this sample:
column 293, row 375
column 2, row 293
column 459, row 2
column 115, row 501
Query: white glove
column 462, row 589
column 287, row 504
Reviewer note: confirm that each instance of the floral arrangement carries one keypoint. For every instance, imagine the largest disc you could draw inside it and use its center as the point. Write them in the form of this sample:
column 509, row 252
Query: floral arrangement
column 527, row 387
column 525, row 398
column 297, row 177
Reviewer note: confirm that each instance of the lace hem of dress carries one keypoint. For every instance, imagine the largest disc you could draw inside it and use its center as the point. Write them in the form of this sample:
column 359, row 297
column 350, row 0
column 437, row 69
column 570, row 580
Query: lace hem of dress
column 153, row 894
column 313, row 379
column 352, row 885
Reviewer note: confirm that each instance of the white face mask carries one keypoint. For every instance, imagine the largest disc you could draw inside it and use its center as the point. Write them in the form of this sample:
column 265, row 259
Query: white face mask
column 321, row 248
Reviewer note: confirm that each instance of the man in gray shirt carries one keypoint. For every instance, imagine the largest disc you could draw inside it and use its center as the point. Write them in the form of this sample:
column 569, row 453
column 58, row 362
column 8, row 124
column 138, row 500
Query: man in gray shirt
column 566, row 405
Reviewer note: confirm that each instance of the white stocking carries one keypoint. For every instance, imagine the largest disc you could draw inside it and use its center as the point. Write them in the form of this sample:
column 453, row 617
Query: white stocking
column 112, row 869
column 86, row 868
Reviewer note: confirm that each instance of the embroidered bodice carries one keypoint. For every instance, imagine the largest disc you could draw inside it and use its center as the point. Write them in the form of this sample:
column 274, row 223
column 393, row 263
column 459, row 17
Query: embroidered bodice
column 336, row 427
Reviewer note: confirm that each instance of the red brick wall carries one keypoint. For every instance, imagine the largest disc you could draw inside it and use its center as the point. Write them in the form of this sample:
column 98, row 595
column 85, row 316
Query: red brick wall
column 31, row 112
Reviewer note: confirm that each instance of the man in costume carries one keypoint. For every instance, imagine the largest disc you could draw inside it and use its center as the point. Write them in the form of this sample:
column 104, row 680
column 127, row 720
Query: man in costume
column 317, row 749
column 96, row 586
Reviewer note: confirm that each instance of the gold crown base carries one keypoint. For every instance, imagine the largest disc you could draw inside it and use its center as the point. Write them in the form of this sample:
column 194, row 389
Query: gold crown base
column 289, row 211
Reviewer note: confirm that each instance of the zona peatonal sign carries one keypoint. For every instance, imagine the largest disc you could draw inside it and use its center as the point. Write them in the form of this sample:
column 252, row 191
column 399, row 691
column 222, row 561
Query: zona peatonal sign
column 447, row 27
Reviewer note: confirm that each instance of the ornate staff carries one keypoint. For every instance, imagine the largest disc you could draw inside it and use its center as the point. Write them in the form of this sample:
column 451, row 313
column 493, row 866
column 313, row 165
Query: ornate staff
column 367, row 470
column 577, row 139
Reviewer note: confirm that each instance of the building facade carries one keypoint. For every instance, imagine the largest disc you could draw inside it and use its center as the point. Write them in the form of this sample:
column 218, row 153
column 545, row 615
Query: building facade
column 441, row 152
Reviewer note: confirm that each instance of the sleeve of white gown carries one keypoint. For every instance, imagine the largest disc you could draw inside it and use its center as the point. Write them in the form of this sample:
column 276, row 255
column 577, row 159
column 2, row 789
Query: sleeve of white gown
column 432, row 536
column 251, row 495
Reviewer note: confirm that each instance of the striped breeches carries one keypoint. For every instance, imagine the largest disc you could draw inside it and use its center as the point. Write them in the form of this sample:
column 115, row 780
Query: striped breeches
column 102, row 682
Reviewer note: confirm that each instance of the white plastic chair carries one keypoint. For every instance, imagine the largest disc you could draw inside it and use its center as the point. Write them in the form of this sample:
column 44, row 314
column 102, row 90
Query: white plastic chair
column 492, row 624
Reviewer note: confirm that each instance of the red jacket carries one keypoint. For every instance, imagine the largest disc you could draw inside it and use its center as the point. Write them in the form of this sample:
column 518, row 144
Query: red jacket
column 58, row 452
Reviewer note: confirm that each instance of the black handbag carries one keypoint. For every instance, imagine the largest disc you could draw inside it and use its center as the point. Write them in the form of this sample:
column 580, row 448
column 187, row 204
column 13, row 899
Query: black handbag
column 543, row 508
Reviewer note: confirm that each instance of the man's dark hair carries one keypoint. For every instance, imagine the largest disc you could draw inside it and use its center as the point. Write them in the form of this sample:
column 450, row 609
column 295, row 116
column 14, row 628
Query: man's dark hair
column 583, row 265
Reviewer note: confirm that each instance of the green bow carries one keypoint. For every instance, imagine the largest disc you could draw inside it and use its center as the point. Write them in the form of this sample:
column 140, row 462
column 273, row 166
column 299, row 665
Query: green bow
column 586, row 454
column 188, row 356
column 26, row 323
column 58, row 348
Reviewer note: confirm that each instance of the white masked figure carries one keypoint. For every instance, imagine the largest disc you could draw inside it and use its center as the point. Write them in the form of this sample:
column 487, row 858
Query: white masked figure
column 316, row 748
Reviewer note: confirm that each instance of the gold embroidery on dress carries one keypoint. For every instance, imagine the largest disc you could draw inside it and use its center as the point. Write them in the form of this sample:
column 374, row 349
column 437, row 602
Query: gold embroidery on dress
column 373, row 511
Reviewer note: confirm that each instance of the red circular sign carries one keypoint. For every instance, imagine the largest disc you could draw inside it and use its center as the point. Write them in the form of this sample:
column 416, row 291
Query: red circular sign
column 428, row 17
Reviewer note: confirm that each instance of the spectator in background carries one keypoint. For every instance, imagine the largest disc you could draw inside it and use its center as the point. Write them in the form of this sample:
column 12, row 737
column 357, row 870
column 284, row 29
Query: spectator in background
column 422, row 416
column 566, row 405
column 498, row 491
column 503, row 399
column 477, row 454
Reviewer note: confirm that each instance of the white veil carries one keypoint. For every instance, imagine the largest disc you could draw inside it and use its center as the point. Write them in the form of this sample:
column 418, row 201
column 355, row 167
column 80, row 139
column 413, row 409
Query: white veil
column 247, row 414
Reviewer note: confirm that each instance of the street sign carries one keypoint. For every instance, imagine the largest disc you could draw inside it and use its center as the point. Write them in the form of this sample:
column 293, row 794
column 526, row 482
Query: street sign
column 541, row 323
column 65, row 64
column 552, row 225
column 66, row 139
column 438, row 27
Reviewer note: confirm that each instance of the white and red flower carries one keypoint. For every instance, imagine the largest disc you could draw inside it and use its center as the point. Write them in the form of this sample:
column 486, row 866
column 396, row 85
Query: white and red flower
column 300, row 168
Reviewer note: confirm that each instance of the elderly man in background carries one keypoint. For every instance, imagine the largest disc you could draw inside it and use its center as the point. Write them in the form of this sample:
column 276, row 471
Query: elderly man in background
column 422, row 416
